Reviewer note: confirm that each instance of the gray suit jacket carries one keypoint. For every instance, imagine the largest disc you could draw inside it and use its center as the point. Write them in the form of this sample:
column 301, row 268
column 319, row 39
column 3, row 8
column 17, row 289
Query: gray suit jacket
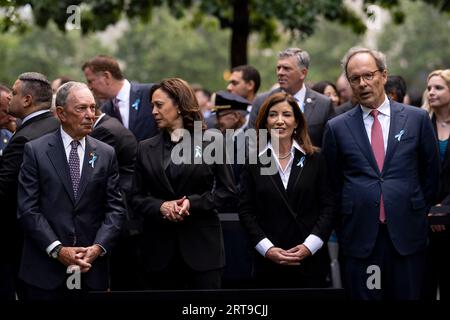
column 318, row 110
column 48, row 211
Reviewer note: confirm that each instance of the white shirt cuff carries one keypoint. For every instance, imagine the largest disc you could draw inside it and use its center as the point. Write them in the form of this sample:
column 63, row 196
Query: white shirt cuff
column 313, row 243
column 263, row 246
column 52, row 246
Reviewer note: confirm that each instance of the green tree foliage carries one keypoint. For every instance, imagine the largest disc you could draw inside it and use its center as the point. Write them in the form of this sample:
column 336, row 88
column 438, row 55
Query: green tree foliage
column 418, row 46
column 48, row 51
column 168, row 47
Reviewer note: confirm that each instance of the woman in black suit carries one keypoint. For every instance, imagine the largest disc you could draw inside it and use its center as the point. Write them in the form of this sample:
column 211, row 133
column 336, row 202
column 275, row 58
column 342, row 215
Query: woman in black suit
column 183, row 244
column 289, row 214
column 438, row 106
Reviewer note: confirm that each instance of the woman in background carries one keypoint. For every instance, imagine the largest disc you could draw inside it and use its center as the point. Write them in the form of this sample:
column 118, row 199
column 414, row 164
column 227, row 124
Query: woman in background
column 438, row 106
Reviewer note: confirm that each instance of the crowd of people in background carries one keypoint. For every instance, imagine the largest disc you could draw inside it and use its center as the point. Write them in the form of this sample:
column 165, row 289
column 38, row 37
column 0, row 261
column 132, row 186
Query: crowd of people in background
column 88, row 180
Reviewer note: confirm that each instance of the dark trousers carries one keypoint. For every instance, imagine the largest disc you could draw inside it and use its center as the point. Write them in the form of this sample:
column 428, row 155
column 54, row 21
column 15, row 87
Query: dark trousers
column 179, row 276
column 437, row 271
column 126, row 266
column 401, row 276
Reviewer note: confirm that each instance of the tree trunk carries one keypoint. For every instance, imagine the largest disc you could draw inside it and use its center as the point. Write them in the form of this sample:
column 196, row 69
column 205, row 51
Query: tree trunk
column 240, row 31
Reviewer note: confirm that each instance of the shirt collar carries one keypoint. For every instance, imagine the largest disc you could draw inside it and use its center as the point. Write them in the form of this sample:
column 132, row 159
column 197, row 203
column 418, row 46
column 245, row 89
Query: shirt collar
column 67, row 139
column 124, row 93
column 98, row 119
column 34, row 114
column 295, row 145
column 300, row 95
column 384, row 109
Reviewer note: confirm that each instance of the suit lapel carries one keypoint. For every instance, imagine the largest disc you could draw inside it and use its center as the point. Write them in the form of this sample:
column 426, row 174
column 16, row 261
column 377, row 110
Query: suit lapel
column 308, row 105
column 155, row 158
column 88, row 168
column 398, row 119
column 275, row 179
column 356, row 127
column 57, row 157
column 294, row 178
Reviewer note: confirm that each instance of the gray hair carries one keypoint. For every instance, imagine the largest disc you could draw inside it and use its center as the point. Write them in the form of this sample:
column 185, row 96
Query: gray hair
column 65, row 89
column 302, row 56
column 380, row 58
column 37, row 85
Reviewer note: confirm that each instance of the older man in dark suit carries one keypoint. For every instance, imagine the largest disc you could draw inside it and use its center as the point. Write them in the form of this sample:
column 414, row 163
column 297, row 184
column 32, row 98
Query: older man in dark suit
column 292, row 69
column 128, row 102
column 69, row 203
column 30, row 101
column 386, row 175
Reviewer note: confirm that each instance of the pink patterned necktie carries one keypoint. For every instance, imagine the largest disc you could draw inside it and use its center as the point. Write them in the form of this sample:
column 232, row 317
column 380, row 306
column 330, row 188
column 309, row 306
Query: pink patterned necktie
column 74, row 166
column 378, row 151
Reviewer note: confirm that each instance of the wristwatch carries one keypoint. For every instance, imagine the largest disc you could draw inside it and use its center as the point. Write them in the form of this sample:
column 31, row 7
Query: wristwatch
column 55, row 252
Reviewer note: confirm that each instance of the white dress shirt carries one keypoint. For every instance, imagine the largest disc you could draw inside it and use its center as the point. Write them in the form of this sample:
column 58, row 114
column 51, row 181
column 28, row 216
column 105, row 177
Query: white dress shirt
column 384, row 117
column 312, row 242
column 123, row 98
column 300, row 98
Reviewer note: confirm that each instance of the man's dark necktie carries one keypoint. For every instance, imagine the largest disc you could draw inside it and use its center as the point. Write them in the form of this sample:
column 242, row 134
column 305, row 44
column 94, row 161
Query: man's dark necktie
column 74, row 167
column 117, row 114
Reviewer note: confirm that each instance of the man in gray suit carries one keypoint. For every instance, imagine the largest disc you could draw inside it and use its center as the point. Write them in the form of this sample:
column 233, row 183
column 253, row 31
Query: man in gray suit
column 69, row 202
column 292, row 69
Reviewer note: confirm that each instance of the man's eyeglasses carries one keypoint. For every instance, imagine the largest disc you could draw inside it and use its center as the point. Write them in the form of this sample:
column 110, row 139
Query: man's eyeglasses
column 366, row 76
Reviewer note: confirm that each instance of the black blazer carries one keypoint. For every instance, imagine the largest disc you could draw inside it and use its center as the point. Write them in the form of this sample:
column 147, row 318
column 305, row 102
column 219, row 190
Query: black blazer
column 9, row 169
column 443, row 196
column 142, row 122
column 287, row 217
column 318, row 110
column 110, row 131
column 48, row 211
column 199, row 236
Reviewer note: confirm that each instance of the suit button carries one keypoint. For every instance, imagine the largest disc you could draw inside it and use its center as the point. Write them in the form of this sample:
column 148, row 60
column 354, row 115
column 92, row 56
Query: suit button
column 377, row 203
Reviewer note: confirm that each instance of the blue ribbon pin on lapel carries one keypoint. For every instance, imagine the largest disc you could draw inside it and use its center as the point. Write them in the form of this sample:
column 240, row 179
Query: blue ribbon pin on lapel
column 93, row 158
column 136, row 104
column 398, row 136
column 301, row 162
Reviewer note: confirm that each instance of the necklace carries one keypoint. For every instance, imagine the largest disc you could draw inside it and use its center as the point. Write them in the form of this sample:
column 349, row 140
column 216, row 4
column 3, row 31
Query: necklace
column 443, row 124
column 284, row 156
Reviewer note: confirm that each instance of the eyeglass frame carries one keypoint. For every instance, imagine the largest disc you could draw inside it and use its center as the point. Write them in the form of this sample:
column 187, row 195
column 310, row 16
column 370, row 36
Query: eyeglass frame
column 354, row 80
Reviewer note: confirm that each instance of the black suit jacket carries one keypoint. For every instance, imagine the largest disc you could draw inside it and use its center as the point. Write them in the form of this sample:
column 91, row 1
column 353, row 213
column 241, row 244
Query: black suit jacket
column 9, row 171
column 443, row 196
column 199, row 236
column 287, row 217
column 48, row 211
column 141, row 121
column 318, row 110
column 110, row 131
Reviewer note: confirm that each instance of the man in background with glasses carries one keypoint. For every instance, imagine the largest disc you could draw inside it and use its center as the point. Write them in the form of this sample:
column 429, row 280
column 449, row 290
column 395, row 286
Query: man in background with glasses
column 385, row 170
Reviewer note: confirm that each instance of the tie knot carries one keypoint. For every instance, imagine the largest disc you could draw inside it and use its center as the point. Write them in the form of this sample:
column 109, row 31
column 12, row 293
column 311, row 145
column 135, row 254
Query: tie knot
column 374, row 113
column 75, row 144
